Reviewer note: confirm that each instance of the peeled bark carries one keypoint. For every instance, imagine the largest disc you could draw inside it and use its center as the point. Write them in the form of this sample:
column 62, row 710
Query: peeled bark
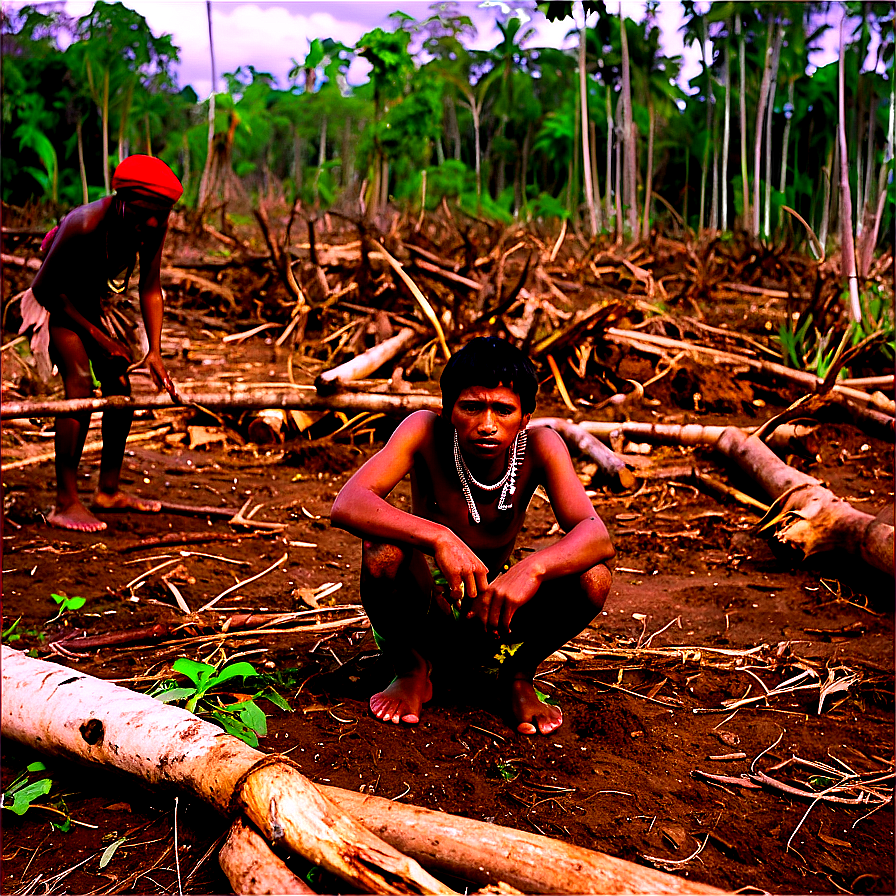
column 65, row 713
column 806, row 518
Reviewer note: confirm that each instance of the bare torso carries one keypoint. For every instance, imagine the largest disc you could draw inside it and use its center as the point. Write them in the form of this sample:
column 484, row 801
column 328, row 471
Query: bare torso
column 436, row 495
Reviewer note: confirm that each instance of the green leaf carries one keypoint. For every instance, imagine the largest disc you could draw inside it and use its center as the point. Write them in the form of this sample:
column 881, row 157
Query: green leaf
column 252, row 716
column 25, row 796
column 276, row 699
column 235, row 670
column 109, row 851
column 198, row 673
column 174, row 694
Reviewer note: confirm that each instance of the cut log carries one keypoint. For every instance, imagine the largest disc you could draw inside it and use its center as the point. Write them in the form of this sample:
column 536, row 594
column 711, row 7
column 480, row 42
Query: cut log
column 367, row 362
column 579, row 441
column 251, row 867
column 486, row 853
column 806, row 518
column 65, row 713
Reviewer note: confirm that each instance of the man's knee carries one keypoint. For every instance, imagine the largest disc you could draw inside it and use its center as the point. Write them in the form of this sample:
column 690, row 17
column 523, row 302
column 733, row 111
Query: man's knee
column 595, row 583
column 380, row 560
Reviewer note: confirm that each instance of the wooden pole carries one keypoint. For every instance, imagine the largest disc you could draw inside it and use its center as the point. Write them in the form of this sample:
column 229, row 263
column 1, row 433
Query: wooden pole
column 241, row 400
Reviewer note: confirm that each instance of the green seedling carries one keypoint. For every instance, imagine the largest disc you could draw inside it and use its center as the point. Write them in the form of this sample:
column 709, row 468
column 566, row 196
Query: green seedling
column 24, row 791
column 11, row 634
column 506, row 769
column 243, row 718
column 67, row 603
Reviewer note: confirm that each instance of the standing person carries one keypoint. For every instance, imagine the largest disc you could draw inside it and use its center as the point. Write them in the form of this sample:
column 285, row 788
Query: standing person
column 90, row 258
column 473, row 470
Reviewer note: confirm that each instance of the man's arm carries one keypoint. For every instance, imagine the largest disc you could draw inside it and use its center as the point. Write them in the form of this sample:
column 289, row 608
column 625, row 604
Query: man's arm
column 361, row 508
column 152, row 308
column 585, row 544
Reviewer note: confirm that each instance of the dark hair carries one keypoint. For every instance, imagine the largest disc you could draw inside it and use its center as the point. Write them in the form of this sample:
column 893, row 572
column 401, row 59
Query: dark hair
column 489, row 361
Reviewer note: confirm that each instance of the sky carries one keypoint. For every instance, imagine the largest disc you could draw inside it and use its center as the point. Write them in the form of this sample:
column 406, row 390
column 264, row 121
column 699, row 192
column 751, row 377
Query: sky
column 270, row 34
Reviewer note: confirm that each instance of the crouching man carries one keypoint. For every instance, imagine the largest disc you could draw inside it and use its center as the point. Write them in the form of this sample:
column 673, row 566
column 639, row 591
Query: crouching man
column 437, row 581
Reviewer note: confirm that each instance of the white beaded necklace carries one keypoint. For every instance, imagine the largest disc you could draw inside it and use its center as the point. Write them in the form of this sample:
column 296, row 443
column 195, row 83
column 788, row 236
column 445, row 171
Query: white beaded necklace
column 507, row 483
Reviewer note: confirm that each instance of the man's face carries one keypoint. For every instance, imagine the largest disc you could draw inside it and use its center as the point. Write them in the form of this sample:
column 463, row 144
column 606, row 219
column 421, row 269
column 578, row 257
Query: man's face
column 145, row 215
column 487, row 420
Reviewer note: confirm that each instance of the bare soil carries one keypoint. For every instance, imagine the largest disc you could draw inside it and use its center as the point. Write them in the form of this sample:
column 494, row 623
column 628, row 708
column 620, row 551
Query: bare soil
column 701, row 614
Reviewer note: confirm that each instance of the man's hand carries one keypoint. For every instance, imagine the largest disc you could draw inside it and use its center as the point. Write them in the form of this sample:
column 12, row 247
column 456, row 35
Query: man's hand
column 496, row 604
column 466, row 574
column 159, row 374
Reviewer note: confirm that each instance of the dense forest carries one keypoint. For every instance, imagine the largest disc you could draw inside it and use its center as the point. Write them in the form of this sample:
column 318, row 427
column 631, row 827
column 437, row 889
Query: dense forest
column 499, row 131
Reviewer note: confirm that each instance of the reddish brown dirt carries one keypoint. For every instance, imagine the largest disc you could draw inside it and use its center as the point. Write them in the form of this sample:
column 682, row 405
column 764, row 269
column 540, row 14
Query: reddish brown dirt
column 617, row 777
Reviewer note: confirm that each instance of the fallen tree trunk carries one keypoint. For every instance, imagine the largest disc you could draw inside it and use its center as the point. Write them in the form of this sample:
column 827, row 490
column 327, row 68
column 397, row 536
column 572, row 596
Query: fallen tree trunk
column 486, row 853
column 65, row 713
column 580, row 441
column 366, row 363
column 806, row 518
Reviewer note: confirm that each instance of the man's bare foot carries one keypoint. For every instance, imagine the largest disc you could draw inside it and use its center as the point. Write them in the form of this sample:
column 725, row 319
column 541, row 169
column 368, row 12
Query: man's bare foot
column 76, row 517
column 124, row 501
column 533, row 715
column 403, row 700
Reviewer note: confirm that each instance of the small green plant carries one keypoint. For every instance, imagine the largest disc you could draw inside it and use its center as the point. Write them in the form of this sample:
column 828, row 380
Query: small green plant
column 24, row 790
column 11, row 634
column 67, row 603
column 244, row 719
column 506, row 769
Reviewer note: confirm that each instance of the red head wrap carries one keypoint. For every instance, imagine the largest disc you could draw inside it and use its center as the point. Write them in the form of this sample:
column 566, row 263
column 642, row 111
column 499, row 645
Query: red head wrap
column 147, row 174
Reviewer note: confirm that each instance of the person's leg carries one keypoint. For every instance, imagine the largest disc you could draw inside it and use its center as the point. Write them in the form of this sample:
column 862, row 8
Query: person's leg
column 562, row 609
column 396, row 589
column 116, row 426
column 70, row 356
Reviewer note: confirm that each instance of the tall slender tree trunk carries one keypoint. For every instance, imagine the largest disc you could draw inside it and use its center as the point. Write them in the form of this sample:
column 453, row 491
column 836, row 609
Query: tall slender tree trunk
column 709, row 127
column 82, row 168
column 619, row 222
column 628, row 119
column 598, row 209
column 785, row 139
column 608, row 198
column 205, row 180
column 322, row 149
column 760, row 118
column 847, row 246
column 726, row 133
column 648, row 180
column 776, row 57
column 586, row 131
column 106, row 175
column 742, row 100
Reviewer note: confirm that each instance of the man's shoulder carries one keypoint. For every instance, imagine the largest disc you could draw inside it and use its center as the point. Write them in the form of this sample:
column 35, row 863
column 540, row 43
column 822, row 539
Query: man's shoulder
column 418, row 428
column 543, row 441
column 85, row 218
